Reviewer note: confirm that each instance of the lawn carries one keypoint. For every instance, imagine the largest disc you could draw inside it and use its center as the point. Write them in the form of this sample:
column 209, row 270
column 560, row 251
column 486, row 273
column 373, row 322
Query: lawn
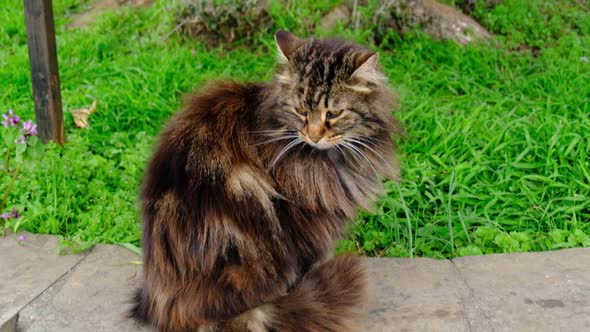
column 496, row 158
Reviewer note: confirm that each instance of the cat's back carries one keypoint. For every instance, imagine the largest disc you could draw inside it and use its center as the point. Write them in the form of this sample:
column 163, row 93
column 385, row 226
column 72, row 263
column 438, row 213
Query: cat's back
column 216, row 113
column 208, row 138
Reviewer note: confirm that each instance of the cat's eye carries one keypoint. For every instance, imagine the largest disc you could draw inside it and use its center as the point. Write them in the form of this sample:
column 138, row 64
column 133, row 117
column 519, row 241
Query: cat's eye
column 301, row 112
column 332, row 114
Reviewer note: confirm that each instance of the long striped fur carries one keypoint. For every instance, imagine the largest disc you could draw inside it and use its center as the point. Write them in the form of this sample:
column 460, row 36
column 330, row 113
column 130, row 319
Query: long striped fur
column 251, row 185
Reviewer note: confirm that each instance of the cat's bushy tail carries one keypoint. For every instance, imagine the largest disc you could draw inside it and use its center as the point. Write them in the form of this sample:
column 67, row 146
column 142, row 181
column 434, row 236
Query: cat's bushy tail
column 330, row 297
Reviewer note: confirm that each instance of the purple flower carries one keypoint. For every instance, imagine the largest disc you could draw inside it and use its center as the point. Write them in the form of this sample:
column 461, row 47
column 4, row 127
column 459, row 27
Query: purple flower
column 10, row 119
column 22, row 238
column 14, row 213
column 30, row 128
column 23, row 140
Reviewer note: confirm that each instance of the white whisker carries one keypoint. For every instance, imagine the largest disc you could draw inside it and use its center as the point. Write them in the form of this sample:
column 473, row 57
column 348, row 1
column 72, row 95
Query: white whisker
column 386, row 163
column 285, row 149
column 269, row 132
column 370, row 148
column 370, row 139
column 359, row 152
column 276, row 139
column 367, row 141
column 337, row 146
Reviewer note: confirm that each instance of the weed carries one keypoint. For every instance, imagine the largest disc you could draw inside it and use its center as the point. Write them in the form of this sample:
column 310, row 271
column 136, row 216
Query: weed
column 496, row 159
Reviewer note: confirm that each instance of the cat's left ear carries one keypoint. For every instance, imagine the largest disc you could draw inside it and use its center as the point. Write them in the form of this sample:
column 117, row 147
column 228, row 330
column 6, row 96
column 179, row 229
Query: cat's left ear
column 366, row 64
column 287, row 43
column 366, row 60
column 366, row 75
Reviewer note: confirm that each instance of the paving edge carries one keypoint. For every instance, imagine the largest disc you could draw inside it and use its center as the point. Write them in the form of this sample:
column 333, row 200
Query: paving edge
column 476, row 319
column 12, row 324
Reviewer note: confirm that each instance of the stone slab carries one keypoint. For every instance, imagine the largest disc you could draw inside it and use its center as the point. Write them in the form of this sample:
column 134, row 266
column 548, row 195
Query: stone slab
column 415, row 295
column 35, row 309
column 95, row 296
column 27, row 268
column 548, row 291
column 10, row 324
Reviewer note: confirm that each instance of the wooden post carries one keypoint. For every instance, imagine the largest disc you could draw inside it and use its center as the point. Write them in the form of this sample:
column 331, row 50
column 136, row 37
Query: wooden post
column 44, row 70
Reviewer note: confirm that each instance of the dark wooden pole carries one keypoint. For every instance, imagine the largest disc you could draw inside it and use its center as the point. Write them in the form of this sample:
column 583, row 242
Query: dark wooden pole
column 44, row 70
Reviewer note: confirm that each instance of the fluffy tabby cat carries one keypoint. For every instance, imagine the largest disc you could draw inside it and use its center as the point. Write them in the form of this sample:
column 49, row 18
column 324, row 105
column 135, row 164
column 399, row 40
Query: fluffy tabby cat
column 252, row 184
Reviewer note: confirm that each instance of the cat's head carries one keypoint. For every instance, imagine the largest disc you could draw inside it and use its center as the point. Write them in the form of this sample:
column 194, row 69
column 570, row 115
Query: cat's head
column 331, row 92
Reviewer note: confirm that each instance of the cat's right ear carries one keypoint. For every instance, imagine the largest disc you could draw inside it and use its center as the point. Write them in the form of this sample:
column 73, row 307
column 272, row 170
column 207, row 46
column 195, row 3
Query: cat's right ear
column 286, row 44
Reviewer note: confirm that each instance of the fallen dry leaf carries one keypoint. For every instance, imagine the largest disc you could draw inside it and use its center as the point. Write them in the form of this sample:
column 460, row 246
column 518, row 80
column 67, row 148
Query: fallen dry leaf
column 81, row 115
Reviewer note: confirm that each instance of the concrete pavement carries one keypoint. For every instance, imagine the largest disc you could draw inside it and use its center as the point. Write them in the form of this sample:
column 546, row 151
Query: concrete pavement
column 550, row 291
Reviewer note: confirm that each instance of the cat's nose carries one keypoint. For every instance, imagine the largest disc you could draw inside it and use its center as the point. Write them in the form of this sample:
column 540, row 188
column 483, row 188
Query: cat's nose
column 315, row 132
column 315, row 139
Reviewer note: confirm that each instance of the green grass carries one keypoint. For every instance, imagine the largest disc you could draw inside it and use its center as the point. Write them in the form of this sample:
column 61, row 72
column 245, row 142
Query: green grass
column 496, row 159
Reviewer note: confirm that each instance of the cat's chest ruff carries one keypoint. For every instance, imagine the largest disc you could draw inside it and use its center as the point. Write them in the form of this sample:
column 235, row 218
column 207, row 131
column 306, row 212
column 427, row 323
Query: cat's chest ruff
column 323, row 185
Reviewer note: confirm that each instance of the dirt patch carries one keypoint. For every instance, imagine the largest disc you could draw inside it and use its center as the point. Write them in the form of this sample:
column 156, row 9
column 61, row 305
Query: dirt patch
column 535, row 50
column 438, row 20
column 223, row 23
column 98, row 7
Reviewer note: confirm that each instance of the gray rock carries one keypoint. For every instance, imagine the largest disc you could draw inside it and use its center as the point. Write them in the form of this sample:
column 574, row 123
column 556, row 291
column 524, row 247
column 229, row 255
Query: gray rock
column 446, row 22
column 439, row 20
column 340, row 14
column 96, row 295
column 28, row 268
